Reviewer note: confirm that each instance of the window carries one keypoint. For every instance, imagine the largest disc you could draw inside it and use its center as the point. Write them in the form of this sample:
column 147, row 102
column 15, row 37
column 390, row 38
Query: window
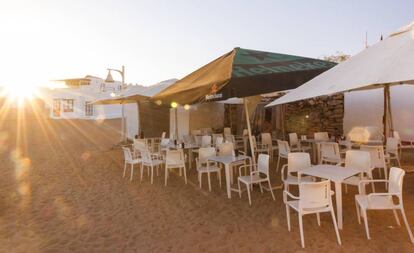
column 88, row 109
column 67, row 105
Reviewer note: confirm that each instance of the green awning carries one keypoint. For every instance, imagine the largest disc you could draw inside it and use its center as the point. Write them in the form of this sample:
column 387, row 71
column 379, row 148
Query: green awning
column 242, row 73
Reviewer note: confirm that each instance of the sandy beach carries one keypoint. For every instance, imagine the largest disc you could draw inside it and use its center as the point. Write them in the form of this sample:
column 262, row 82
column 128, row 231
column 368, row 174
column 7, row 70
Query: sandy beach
column 63, row 191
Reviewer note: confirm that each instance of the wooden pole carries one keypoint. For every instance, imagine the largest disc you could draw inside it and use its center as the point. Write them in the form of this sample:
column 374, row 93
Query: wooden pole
column 387, row 120
column 176, row 123
column 249, row 130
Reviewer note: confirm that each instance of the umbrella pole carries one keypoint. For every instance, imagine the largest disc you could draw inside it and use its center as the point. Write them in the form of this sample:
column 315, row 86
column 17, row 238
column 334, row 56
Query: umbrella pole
column 249, row 130
column 176, row 123
column 388, row 126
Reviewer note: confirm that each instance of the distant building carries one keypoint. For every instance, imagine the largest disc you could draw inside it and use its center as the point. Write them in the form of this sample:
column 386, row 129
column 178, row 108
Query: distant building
column 74, row 101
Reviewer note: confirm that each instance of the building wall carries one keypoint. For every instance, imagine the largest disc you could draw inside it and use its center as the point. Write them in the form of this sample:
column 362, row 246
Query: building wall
column 207, row 115
column 314, row 115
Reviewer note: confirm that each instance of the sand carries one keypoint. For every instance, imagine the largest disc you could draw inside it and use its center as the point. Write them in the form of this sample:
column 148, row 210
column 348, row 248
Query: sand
column 64, row 192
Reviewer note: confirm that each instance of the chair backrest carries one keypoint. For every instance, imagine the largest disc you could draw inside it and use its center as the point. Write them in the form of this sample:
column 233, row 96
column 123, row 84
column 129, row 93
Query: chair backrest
column 219, row 141
column 227, row 131
column 392, row 145
column 358, row 159
column 314, row 195
column 283, row 147
column 298, row 161
column 396, row 134
column 226, row 149
column 396, row 180
column 140, row 144
column 206, row 141
column 263, row 164
column 127, row 154
column 267, row 139
column 377, row 155
column 144, row 152
column 303, row 137
column 175, row 157
column 321, row 136
column 293, row 139
column 205, row 153
column 188, row 139
column 164, row 142
column 215, row 136
column 330, row 150
column 163, row 135
column 230, row 138
column 197, row 139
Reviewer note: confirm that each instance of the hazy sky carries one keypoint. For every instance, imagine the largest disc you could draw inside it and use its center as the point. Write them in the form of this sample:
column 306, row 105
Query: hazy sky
column 156, row 40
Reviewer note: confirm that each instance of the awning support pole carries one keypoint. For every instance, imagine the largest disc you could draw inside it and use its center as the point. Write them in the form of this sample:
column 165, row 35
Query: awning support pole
column 249, row 130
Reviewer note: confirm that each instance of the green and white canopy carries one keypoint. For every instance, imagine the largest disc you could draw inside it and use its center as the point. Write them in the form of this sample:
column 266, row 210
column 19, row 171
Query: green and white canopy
column 242, row 73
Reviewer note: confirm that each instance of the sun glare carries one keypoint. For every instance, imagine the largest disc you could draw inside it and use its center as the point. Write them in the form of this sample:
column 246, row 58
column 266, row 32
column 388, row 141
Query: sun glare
column 20, row 93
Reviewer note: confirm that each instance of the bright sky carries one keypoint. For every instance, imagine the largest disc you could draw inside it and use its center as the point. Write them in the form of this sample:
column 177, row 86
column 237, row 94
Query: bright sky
column 156, row 40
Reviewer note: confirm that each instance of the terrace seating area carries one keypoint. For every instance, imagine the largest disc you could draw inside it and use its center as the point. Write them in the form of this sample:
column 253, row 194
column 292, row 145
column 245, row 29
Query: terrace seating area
column 313, row 172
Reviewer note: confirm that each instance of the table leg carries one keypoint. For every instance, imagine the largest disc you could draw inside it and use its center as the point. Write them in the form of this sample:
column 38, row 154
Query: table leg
column 190, row 158
column 227, row 171
column 338, row 196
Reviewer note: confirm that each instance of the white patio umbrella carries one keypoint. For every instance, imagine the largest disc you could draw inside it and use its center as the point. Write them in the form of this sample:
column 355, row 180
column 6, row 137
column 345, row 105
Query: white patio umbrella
column 388, row 62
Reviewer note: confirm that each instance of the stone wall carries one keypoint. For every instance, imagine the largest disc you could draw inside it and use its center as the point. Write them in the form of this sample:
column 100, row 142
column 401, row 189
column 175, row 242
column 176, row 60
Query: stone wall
column 315, row 115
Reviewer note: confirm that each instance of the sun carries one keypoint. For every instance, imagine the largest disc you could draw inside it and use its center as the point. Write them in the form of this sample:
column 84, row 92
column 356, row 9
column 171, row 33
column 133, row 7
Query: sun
column 19, row 93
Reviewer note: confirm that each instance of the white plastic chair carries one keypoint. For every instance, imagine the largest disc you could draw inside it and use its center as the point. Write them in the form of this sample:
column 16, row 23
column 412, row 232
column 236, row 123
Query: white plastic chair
column 377, row 159
column 384, row 201
column 206, row 141
column 149, row 161
column 206, row 166
column 214, row 138
column 175, row 159
column 188, row 139
column 219, row 141
column 230, row 138
column 391, row 150
column 321, row 136
column 267, row 141
column 360, row 160
column 129, row 160
column 259, row 148
column 296, row 162
column 314, row 197
column 284, row 150
column 226, row 149
column 403, row 144
column 295, row 144
column 259, row 174
column 329, row 153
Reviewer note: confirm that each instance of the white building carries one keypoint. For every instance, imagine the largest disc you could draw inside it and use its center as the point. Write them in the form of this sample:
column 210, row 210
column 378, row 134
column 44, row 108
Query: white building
column 74, row 101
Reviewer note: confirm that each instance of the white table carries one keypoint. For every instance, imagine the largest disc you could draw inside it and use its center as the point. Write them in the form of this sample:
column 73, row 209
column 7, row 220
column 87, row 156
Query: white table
column 227, row 161
column 336, row 174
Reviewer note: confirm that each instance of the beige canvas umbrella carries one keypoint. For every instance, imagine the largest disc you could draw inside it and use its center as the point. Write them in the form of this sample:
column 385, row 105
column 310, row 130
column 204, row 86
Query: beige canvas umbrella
column 389, row 62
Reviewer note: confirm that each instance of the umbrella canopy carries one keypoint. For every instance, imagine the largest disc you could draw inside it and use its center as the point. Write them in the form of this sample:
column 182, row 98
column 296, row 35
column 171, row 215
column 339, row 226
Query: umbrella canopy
column 388, row 62
column 242, row 73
